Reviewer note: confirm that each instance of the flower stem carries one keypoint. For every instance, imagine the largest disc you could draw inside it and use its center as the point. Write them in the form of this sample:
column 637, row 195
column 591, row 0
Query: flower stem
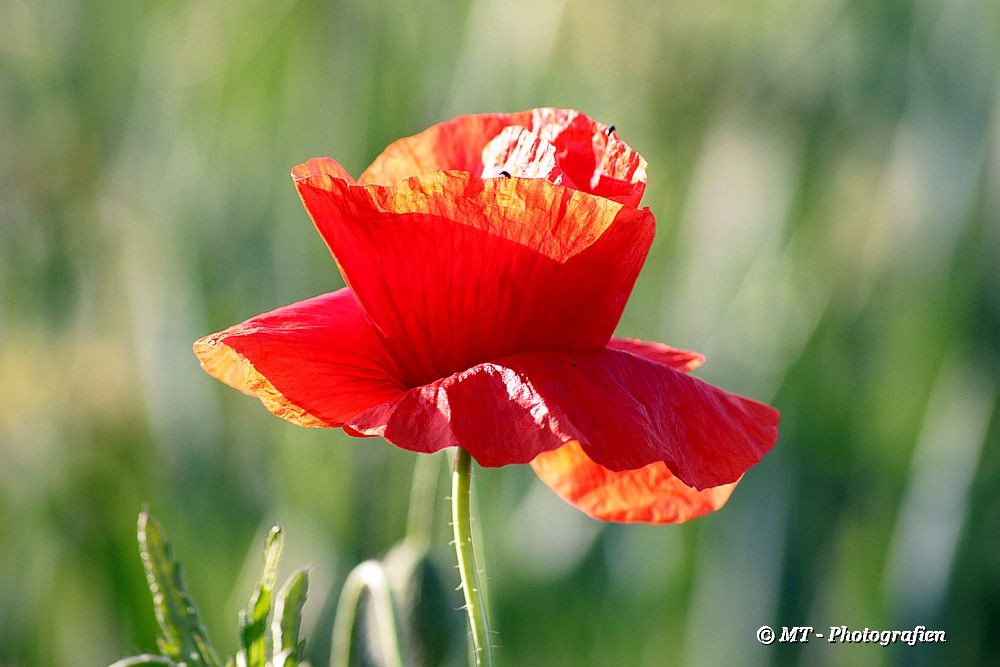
column 461, row 517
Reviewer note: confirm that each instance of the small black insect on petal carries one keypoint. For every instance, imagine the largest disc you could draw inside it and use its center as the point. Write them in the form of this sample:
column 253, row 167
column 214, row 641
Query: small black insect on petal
column 610, row 130
column 505, row 173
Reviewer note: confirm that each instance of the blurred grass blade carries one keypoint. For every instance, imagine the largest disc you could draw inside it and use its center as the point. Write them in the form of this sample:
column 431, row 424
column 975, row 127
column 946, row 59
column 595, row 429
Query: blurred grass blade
column 253, row 619
column 287, row 620
column 183, row 637
column 423, row 499
column 145, row 660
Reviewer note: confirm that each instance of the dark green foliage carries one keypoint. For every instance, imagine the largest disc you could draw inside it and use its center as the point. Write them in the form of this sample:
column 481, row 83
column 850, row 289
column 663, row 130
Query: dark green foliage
column 423, row 601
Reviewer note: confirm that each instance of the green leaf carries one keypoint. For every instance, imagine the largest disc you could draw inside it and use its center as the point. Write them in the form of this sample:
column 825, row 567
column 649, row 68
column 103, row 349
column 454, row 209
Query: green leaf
column 145, row 660
column 253, row 620
column 183, row 637
column 287, row 620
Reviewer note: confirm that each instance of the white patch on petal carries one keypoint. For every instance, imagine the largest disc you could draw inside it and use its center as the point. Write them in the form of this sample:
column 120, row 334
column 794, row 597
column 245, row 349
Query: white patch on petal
column 519, row 152
column 549, row 123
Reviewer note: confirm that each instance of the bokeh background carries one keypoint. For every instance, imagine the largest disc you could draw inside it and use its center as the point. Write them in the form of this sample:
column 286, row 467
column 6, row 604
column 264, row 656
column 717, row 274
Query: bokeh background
column 826, row 180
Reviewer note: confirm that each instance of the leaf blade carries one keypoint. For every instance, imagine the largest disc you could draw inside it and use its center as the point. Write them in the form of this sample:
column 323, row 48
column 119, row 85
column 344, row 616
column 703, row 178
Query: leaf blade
column 287, row 621
column 253, row 620
column 183, row 638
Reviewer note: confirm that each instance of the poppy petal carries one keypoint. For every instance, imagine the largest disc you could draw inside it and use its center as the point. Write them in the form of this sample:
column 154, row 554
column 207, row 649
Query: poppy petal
column 626, row 411
column 455, row 144
column 651, row 494
column 321, row 167
column 315, row 363
column 454, row 270
column 590, row 154
column 681, row 360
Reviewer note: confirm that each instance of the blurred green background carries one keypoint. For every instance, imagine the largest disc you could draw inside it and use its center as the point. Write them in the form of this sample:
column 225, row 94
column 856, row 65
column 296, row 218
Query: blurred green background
column 826, row 180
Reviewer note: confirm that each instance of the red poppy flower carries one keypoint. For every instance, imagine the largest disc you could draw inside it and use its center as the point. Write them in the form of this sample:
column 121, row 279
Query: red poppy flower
column 487, row 262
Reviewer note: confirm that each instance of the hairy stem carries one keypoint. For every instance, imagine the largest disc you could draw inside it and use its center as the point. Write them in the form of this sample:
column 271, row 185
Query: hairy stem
column 461, row 517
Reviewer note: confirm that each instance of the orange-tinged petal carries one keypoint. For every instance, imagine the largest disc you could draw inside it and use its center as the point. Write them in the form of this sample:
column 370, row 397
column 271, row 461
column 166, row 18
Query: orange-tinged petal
column 454, row 270
column 651, row 494
column 320, row 167
column 455, row 144
column 625, row 411
column 313, row 363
